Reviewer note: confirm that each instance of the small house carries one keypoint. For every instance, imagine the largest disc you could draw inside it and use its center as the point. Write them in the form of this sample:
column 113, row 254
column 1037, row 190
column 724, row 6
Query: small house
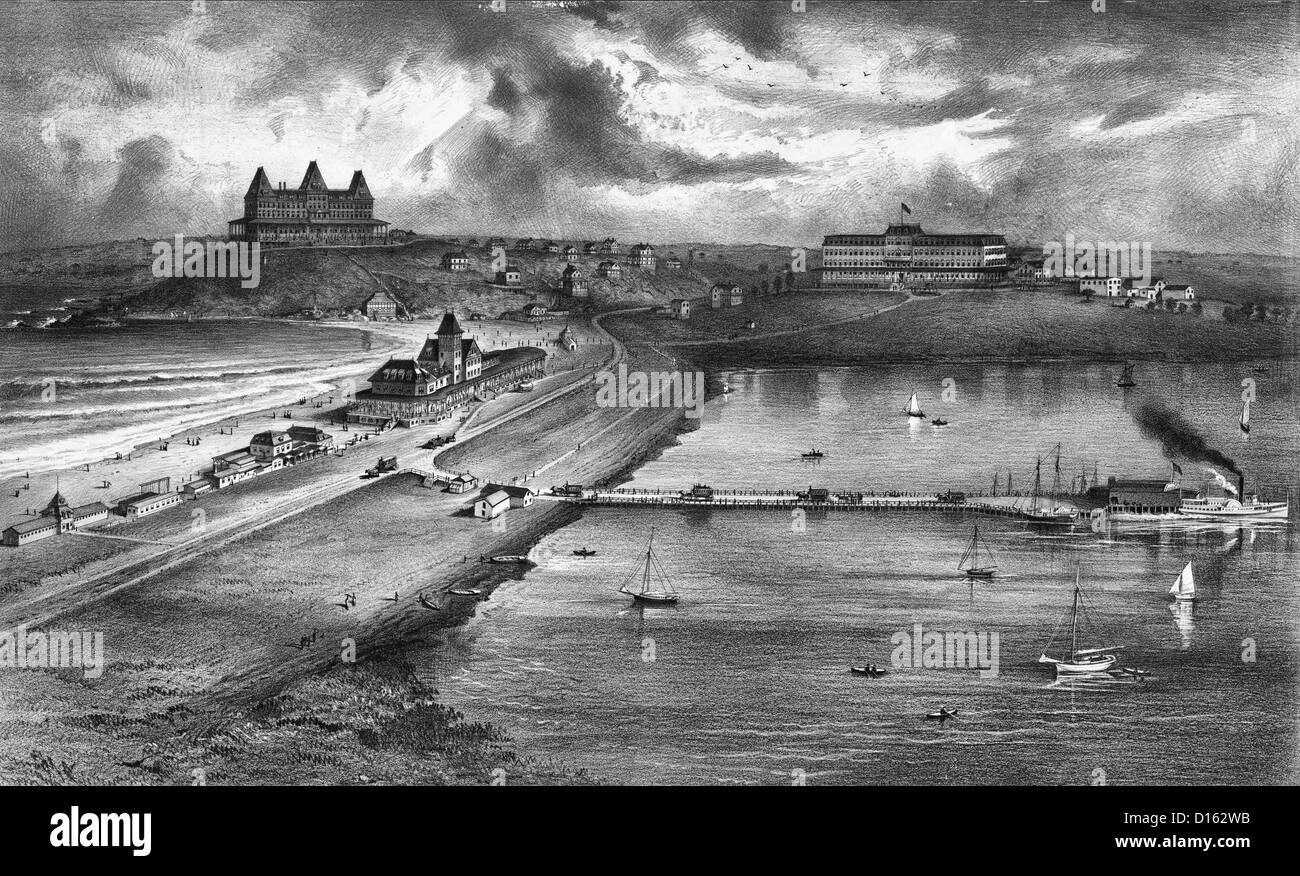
column 681, row 308
column 519, row 497
column 572, row 282
column 462, row 483
column 455, row 261
column 609, row 270
column 642, row 255
column 511, row 276
column 492, row 505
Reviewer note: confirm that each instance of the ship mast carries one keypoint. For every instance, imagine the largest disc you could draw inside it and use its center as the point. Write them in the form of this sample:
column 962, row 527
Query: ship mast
column 645, row 577
column 1074, row 622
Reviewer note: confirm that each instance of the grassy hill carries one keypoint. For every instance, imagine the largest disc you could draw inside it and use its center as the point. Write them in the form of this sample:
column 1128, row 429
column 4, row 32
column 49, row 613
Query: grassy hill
column 336, row 281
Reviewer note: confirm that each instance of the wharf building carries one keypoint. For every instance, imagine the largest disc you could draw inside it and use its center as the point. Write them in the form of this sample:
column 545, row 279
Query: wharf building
column 905, row 255
column 449, row 371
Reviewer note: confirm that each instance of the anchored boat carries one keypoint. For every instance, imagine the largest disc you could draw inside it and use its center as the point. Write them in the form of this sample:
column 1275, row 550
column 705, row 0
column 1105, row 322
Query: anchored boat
column 659, row 592
column 973, row 563
column 1078, row 660
column 1126, row 379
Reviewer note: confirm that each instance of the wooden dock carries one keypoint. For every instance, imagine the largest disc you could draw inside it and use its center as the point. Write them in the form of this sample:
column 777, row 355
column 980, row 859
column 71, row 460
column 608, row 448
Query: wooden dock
column 845, row 500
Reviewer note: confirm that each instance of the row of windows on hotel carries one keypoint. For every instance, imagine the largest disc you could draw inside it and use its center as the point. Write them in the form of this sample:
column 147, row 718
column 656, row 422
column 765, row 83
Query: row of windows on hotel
column 909, row 240
column 891, row 276
column 262, row 211
column 298, row 232
column 916, row 263
column 905, row 251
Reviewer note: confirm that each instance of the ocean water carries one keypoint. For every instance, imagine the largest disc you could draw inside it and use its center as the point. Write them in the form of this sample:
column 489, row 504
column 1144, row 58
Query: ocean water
column 746, row 680
column 69, row 396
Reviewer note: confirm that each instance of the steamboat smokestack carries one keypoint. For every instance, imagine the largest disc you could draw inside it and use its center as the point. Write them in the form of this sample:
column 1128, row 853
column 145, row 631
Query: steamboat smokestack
column 1241, row 487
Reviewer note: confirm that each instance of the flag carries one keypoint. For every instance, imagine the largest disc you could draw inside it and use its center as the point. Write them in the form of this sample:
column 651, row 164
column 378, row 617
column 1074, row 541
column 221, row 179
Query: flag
column 907, row 209
column 1177, row 470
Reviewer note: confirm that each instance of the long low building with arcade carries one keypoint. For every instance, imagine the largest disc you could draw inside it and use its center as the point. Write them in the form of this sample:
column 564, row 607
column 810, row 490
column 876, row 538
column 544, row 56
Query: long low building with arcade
column 907, row 256
column 449, row 370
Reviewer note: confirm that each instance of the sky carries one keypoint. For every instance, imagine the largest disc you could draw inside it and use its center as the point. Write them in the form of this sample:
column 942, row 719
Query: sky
column 1173, row 123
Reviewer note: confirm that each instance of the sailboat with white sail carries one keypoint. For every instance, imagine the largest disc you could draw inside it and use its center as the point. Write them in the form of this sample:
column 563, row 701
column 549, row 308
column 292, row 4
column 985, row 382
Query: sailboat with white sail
column 913, row 408
column 642, row 588
column 1078, row 660
column 1184, row 589
column 978, row 560
column 1245, row 418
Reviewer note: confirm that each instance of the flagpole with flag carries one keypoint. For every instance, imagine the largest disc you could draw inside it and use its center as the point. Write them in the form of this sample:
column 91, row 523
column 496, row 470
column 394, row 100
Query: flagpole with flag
column 903, row 208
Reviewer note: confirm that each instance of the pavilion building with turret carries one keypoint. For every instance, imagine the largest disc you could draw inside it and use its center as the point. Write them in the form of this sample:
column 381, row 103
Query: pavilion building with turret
column 449, row 371
column 56, row 518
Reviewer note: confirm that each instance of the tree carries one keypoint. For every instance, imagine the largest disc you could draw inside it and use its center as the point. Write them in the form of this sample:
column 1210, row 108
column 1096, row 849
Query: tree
column 1197, row 309
column 776, row 284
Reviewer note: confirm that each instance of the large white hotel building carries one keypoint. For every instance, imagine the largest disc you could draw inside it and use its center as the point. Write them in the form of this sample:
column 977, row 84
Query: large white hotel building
column 905, row 254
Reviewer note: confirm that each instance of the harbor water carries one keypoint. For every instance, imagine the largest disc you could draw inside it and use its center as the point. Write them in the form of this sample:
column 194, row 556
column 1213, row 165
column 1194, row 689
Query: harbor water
column 746, row 681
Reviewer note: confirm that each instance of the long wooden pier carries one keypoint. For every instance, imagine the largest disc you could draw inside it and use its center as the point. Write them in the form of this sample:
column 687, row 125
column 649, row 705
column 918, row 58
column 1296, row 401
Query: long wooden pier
column 777, row 500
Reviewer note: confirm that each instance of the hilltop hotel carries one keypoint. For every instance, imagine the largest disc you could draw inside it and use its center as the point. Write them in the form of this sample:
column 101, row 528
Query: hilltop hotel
column 449, row 370
column 907, row 255
column 311, row 214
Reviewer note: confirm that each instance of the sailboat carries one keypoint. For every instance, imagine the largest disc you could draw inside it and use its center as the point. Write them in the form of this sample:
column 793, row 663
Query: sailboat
column 1056, row 513
column 913, row 408
column 1184, row 589
column 1126, row 379
column 1079, row 660
column 662, row 593
column 1245, row 418
column 971, row 562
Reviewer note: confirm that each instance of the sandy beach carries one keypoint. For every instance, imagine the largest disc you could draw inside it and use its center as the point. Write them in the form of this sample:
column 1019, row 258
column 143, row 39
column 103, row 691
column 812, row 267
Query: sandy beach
column 206, row 634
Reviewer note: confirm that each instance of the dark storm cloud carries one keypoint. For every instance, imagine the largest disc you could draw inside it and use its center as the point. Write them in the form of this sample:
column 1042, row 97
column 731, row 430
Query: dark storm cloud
column 1030, row 118
column 143, row 165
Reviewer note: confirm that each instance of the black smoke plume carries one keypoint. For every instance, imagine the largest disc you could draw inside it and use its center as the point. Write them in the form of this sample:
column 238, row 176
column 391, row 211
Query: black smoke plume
column 1178, row 436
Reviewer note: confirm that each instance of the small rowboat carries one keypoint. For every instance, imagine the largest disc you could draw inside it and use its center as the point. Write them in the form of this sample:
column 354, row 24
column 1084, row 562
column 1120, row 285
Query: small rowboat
column 583, row 552
column 509, row 559
column 424, row 600
column 465, row 591
column 869, row 671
